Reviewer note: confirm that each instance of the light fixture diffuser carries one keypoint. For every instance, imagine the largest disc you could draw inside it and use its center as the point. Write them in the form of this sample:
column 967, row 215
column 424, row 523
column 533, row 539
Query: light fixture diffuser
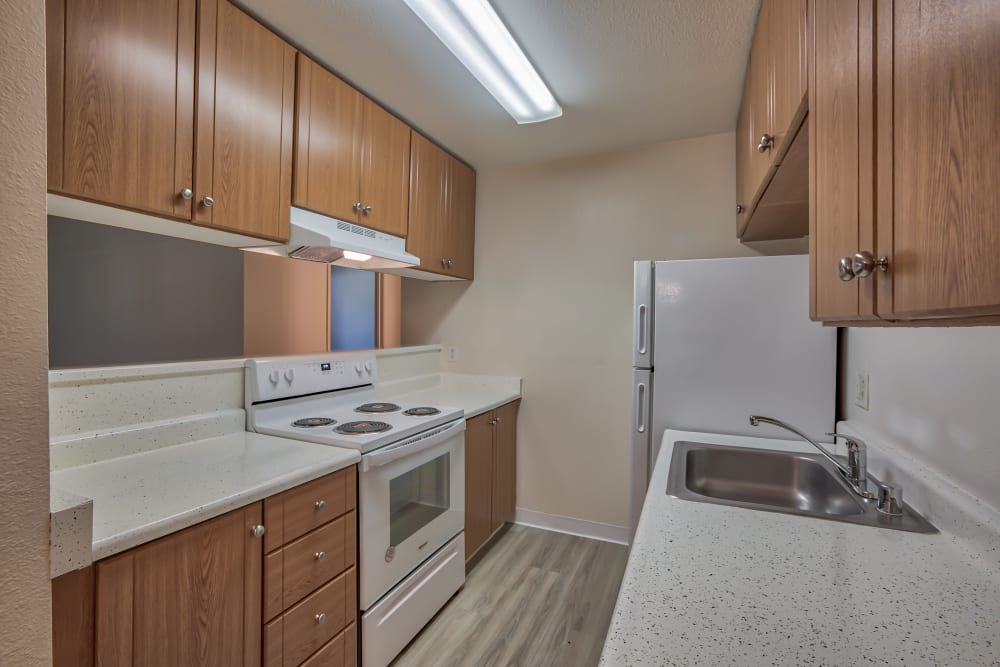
column 474, row 33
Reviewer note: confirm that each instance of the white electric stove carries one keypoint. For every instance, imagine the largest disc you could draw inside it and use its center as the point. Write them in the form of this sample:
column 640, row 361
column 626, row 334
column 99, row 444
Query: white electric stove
column 411, row 483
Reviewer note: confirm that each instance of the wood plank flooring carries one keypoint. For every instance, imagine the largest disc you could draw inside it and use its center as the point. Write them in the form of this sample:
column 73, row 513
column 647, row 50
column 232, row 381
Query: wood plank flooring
column 535, row 598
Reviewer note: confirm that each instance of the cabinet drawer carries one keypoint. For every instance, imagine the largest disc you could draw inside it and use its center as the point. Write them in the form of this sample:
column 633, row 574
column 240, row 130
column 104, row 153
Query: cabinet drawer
column 307, row 563
column 295, row 512
column 299, row 632
column 339, row 652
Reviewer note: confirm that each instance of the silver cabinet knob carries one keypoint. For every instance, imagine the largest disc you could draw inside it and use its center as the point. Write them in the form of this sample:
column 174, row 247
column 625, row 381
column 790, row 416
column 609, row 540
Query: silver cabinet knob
column 186, row 193
column 492, row 422
column 320, row 618
column 207, row 202
column 845, row 270
column 444, row 262
column 739, row 209
column 257, row 531
column 449, row 263
column 765, row 143
column 367, row 210
column 319, row 504
column 357, row 206
column 319, row 555
column 864, row 263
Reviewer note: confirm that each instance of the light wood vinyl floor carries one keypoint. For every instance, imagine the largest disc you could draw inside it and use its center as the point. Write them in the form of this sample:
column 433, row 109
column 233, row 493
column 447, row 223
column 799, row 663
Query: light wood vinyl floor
column 534, row 599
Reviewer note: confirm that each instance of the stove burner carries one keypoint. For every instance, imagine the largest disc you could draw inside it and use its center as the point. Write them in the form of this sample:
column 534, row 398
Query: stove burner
column 313, row 422
column 377, row 407
column 362, row 428
column 422, row 412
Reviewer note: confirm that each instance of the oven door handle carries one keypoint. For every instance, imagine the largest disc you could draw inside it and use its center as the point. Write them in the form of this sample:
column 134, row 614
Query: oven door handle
column 411, row 446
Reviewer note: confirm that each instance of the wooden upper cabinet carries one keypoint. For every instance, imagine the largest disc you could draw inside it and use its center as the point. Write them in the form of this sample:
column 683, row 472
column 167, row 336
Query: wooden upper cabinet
column 760, row 85
column 120, row 81
column 938, row 102
column 192, row 598
column 328, row 124
column 244, row 135
column 428, row 230
column 902, row 107
column 385, row 169
column 840, row 85
column 788, row 58
column 461, row 218
column 352, row 157
column 744, row 147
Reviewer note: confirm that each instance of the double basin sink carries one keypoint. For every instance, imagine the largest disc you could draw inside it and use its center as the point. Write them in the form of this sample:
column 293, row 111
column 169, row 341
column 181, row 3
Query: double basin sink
column 776, row 481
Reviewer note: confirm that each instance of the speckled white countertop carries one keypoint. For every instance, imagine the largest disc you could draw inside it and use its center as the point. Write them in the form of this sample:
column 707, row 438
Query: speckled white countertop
column 475, row 394
column 143, row 496
column 716, row 585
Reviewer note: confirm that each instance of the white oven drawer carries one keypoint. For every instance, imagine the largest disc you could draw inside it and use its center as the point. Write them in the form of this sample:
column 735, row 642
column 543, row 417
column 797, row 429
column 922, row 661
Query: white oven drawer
column 397, row 618
column 412, row 503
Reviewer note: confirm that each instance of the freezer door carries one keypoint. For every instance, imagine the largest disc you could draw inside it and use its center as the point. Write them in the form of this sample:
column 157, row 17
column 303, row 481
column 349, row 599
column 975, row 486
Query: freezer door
column 642, row 315
column 733, row 338
column 642, row 463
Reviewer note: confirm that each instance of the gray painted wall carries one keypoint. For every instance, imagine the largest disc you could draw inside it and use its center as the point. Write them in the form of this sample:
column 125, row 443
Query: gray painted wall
column 118, row 296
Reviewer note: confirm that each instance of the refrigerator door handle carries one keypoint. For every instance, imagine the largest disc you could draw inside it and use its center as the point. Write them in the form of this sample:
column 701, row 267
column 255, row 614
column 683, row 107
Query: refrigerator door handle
column 640, row 408
column 642, row 330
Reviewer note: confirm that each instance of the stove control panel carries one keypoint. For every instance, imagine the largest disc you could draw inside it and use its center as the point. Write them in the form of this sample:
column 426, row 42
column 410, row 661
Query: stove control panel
column 272, row 378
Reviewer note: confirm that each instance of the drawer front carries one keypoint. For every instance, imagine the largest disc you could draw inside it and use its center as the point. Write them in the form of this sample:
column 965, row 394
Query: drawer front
column 339, row 652
column 315, row 558
column 304, row 632
column 295, row 512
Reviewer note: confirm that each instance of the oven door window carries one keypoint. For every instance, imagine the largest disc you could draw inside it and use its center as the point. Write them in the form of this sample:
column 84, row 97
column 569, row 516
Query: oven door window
column 417, row 497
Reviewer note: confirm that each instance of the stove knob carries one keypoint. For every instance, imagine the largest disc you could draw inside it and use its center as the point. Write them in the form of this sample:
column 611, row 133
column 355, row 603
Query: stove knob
column 273, row 376
column 359, row 367
column 289, row 375
column 368, row 367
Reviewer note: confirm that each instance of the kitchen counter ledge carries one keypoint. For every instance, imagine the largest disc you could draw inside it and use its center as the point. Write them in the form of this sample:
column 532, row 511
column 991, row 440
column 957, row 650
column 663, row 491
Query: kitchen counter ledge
column 717, row 585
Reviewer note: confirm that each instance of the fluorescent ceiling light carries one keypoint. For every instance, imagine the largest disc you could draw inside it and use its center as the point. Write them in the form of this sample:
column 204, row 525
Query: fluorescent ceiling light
column 356, row 256
column 476, row 36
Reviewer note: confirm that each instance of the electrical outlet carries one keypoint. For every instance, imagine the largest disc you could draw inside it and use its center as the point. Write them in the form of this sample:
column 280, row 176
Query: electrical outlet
column 861, row 390
column 452, row 354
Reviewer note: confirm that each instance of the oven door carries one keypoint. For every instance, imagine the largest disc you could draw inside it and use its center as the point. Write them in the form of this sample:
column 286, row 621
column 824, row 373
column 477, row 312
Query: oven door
column 412, row 503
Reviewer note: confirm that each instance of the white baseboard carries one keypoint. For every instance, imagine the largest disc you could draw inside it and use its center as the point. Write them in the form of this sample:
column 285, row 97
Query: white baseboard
column 604, row 532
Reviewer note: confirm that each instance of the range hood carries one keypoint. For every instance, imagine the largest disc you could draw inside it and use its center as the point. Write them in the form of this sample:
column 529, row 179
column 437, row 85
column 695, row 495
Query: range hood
column 319, row 238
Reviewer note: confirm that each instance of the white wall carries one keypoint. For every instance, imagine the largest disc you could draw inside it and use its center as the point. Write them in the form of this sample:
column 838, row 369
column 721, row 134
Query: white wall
column 552, row 300
column 934, row 392
column 24, row 474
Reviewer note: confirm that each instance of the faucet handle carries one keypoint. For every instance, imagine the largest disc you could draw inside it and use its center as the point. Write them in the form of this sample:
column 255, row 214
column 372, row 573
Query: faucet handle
column 849, row 438
column 890, row 499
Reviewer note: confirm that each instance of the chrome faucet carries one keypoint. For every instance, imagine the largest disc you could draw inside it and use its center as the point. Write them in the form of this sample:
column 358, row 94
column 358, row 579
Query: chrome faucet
column 856, row 470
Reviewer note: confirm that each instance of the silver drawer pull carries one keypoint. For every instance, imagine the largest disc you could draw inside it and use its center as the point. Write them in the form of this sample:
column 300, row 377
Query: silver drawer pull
column 319, row 504
column 320, row 618
column 320, row 555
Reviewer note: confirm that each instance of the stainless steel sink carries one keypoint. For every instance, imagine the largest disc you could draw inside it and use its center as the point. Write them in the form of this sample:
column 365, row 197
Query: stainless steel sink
column 776, row 481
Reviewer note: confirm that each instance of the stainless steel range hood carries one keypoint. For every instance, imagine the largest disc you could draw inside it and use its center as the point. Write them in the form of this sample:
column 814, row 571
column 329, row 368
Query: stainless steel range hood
column 319, row 238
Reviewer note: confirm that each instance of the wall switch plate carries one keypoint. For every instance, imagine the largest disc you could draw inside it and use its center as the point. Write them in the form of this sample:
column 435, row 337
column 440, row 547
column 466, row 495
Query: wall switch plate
column 452, row 354
column 861, row 390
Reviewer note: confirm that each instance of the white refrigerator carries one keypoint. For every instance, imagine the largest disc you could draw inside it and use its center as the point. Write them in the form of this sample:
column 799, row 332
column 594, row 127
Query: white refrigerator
column 716, row 340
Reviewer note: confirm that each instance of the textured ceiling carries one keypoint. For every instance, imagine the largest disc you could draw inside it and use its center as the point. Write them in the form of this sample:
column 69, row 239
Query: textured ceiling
column 626, row 72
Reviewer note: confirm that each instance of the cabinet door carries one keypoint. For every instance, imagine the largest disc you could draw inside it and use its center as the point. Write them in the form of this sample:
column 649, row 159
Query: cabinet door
column 759, row 83
column 788, row 58
column 121, row 109
column 192, row 598
column 385, row 169
column 461, row 219
column 505, row 464
column 328, row 129
column 744, row 146
column 841, row 181
column 427, row 237
column 244, row 147
column 478, row 481
column 939, row 119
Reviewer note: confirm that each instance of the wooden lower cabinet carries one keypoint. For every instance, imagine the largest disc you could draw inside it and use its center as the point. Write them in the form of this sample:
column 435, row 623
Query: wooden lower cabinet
column 208, row 594
column 490, row 474
column 192, row 598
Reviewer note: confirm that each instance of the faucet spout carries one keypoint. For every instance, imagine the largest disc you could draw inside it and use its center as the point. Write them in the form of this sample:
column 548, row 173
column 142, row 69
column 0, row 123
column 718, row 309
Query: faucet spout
column 855, row 470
